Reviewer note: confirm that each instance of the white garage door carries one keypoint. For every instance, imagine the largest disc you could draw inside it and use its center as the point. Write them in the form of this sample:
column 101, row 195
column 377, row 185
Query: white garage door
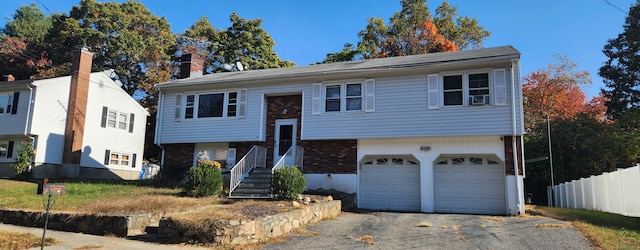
column 390, row 183
column 469, row 185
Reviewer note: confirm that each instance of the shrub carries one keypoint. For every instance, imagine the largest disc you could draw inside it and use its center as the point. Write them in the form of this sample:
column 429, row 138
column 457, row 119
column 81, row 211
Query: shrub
column 205, row 179
column 287, row 183
column 23, row 158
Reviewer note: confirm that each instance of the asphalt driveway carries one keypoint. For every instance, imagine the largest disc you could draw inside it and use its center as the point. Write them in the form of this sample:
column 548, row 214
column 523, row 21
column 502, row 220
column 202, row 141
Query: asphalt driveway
column 384, row 230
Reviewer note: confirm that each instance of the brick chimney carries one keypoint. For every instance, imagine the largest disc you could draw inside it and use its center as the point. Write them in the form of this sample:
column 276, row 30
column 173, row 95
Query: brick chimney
column 8, row 78
column 77, row 108
column 191, row 65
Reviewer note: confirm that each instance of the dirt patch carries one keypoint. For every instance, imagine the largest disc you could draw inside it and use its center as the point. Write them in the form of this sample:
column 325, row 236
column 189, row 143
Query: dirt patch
column 367, row 239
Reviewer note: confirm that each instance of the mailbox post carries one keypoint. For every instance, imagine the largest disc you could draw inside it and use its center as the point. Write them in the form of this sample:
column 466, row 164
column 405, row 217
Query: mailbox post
column 50, row 189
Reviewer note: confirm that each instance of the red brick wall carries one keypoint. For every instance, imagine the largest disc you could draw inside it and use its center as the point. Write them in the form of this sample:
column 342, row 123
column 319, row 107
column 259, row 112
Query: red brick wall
column 508, row 154
column 335, row 156
column 320, row 156
column 179, row 155
column 78, row 95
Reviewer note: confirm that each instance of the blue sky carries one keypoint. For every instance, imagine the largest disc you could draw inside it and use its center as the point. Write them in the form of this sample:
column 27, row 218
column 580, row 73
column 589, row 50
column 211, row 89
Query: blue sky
column 305, row 31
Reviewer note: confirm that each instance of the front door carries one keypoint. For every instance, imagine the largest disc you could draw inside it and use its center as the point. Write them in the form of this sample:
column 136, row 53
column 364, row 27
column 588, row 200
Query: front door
column 286, row 130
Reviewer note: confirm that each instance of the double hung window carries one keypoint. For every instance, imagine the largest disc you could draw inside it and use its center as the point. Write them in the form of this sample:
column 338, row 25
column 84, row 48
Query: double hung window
column 340, row 97
column 116, row 119
column 119, row 159
column 466, row 89
column 7, row 103
column 211, row 105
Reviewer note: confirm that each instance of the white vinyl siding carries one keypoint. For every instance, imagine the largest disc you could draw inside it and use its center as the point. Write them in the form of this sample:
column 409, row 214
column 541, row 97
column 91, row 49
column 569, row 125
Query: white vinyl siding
column 401, row 110
column 126, row 139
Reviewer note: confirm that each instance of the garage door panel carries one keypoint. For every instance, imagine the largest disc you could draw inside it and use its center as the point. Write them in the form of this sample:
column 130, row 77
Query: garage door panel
column 390, row 187
column 469, row 188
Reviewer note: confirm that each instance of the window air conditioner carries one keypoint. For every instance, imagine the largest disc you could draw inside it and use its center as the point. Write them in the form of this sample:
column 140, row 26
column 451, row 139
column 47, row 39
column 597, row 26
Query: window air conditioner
column 477, row 100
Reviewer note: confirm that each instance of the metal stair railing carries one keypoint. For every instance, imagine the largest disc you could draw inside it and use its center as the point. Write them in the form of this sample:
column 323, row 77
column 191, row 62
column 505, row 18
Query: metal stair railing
column 257, row 156
column 293, row 157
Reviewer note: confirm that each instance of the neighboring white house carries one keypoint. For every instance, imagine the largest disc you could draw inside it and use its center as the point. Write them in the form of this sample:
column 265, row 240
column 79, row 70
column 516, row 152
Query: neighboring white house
column 84, row 125
column 439, row 132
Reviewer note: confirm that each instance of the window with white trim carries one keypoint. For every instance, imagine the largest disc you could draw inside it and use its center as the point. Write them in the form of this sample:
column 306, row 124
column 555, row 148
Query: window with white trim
column 6, row 103
column 119, row 159
column 222, row 154
column 4, row 149
column 212, row 104
column 116, row 119
column 343, row 97
column 468, row 88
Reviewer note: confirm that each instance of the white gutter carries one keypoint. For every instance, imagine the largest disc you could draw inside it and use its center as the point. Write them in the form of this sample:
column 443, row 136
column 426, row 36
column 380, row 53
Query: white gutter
column 159, row 126
column 27, row 125
column 513, row 135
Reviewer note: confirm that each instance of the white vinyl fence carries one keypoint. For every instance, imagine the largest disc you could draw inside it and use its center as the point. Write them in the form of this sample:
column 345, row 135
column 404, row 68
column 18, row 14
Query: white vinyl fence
column 616, row 192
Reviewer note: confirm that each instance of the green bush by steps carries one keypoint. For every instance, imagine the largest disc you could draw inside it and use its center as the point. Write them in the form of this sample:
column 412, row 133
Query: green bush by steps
column 205, row 179
column 287, row 183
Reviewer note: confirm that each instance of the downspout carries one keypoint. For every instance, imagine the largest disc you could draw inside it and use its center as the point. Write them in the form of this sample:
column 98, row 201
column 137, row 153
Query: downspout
column 514, row 150
column 27, row 125
column 159, row 127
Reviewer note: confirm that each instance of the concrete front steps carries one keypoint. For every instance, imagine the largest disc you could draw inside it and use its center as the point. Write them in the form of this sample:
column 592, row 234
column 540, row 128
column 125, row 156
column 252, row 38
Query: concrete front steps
column 255, row 186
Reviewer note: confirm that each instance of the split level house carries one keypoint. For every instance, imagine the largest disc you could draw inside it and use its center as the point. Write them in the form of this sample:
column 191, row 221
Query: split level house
column 84, row 125
column 439, row 132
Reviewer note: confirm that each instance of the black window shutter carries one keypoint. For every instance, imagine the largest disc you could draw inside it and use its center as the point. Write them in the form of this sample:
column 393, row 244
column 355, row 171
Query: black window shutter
column 107, row 156
column 133, row 165
column 14, row 108
column 10, row 150
column 105, row 110
column 131, row 123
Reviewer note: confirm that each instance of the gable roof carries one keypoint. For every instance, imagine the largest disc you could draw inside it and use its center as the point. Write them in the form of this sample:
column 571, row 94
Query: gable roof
column 389, row 63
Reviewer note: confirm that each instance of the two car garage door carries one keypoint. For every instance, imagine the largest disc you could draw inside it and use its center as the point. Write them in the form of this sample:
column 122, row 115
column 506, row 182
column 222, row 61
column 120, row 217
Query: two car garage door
column 473, row 185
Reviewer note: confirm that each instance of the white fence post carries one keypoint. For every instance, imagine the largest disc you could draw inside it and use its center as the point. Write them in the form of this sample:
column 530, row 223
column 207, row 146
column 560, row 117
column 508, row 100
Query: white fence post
column 614, row 192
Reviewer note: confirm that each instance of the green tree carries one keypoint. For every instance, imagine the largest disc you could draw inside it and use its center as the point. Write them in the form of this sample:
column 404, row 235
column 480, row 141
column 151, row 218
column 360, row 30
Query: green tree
column 349, row 53
column 29, row 24
column 125, row 37
column 246, row 42
column 621, row 71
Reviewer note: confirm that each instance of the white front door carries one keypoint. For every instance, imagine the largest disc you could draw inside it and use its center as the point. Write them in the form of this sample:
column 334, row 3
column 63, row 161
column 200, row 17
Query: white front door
column 286, row 131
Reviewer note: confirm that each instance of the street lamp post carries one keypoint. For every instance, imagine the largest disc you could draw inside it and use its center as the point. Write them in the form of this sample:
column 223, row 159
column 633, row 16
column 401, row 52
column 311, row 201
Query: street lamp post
column 550, row 160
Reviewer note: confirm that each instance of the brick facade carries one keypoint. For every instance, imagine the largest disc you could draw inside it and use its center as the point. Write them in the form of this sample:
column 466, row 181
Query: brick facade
column 179, row 155
column 508, row 154
column 320, row 156
column 78, row 97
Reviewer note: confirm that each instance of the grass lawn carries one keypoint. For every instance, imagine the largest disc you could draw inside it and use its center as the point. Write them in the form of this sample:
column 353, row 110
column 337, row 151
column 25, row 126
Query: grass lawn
column 604, row 230
column 126, row 197
column 13, row 240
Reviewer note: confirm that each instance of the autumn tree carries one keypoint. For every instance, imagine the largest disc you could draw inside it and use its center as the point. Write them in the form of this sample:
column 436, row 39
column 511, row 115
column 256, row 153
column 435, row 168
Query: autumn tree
column 555, row 92
column 414, row 30
column 23, row 51
column 621, row 71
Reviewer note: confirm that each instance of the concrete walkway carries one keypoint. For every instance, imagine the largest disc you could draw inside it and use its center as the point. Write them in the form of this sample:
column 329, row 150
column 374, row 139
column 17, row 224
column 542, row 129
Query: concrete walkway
column 85, row 241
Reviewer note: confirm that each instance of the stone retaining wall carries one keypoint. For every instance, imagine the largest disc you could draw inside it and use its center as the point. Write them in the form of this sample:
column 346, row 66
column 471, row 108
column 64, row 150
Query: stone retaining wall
column 119, row 225
column 236, row 232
